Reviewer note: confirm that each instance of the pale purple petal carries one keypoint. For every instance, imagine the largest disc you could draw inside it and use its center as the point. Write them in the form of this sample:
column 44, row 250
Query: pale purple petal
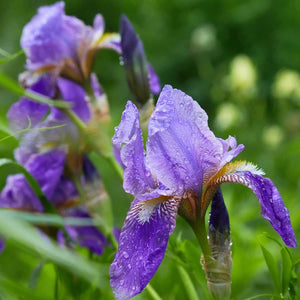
column 154, row 80
column 129, row 151
column 235, row 150
column 97, row 89
column 142, row 247
column 18, row 194
column 26, row 112
column 75, row 94
column 40, row 37
column 181, row 148
column 272, row 206
column 99, row 26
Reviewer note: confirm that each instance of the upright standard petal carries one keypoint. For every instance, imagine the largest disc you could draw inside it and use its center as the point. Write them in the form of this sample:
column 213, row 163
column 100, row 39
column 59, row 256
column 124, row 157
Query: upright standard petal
column 142, row 245
column 41, row 37
column 129, row 151
column 181, row 148
column 272, row 206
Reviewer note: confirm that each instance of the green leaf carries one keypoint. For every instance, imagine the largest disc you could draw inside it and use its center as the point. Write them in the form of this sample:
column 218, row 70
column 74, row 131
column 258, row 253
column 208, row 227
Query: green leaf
column 272, row 266
column 35, row 275
column 13, row 86
column 286, row 269
column 28, row 237
column 8, row 56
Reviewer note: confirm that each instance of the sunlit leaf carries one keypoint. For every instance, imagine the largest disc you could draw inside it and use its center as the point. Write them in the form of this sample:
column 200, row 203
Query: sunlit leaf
column 272, row 266
column 27, row 236
column 286, row 269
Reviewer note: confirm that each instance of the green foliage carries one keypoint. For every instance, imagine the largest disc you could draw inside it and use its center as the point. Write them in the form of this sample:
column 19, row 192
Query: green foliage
column 201, row 47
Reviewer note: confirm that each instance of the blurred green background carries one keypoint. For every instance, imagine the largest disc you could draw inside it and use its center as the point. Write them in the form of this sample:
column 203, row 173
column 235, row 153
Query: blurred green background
column 241, row 61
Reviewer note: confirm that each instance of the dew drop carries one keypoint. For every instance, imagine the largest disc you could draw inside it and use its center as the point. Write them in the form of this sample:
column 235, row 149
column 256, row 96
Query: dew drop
column 125, row 254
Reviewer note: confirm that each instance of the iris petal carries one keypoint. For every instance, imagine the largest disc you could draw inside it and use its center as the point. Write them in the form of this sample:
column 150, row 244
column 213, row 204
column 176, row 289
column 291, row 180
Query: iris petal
column 129, row 150
column 182, row 150
column 272, row 206
column 142, row 245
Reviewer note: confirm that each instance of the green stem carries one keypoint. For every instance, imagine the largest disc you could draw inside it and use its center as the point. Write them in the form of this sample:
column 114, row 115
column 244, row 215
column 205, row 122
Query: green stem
column 13, row 86
column 188, row 284
column 200, row 232
column 152, row 292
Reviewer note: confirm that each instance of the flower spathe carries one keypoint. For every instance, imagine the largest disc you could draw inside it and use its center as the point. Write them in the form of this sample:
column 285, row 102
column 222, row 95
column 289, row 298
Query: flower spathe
column 182, row 157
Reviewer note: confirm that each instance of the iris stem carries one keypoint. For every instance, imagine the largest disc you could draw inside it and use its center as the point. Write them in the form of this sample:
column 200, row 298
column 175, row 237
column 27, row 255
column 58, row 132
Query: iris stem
column 13, row 86
column 200, row 232
column 152, row 292
column 188, row 284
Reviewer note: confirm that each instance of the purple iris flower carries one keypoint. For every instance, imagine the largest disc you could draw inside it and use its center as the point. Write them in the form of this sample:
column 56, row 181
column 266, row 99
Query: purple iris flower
column 51, row 156
column 140, row 75
column 182, row 159
column 55, row 41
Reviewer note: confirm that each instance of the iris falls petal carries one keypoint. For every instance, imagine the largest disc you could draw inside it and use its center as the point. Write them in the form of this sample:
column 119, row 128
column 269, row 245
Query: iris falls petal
column 272, row 206
column 142, row 245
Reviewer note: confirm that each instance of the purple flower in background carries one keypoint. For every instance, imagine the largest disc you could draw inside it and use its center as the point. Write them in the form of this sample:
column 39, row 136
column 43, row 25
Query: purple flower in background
column 53, row 153
column 55, row 41
column 140, row 75
column 183, row 156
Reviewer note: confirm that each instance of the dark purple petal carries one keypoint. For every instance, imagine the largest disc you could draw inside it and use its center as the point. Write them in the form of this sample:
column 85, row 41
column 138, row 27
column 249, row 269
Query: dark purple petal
column 47, row 169
column 142, row 246
column 64, row 192
column 74, row 93
column 219, row 219
column 154, row 80
column 135, row 62
column 18, row 194
column 86, row 236
column 26, row 111
column 272, row 206
column 2, row 244
column 129, row 151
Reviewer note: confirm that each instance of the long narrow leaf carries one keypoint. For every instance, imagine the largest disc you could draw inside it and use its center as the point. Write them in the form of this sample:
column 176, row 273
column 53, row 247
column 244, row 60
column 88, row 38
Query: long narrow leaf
column 28, row 237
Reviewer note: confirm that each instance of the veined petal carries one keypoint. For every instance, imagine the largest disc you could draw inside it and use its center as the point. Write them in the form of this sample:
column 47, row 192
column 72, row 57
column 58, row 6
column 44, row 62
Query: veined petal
column 272, row 206
column 129, row 151
column 142, row 245
column 182, row 151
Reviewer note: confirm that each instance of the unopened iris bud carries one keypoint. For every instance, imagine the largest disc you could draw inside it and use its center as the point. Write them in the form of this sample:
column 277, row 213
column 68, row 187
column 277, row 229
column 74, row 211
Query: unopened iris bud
column 218, row 269
column 140, row 75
